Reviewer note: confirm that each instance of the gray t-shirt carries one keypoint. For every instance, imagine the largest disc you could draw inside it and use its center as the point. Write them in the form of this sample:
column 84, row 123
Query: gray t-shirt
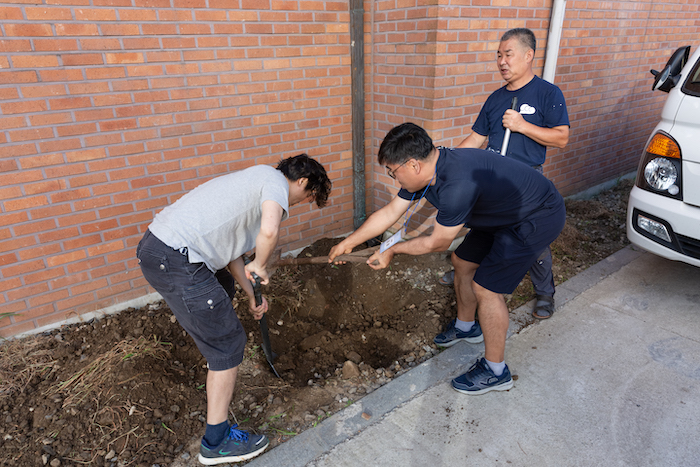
column 219, row 220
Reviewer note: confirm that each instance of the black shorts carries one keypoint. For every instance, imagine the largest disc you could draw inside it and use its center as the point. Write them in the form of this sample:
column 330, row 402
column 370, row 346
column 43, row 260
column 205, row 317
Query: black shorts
column 505, row 256
column 199, row 299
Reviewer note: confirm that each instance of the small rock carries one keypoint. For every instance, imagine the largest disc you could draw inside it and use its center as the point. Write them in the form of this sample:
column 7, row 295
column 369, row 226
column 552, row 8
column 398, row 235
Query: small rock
column 45, row 459
column 111, row 455
column 354, row 357
column 366, row 416
column 55, row 463
column 173, row 319
column 350, row 370
column 48, row 450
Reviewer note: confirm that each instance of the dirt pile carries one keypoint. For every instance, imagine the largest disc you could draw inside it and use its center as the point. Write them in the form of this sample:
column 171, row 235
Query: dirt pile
column 129, row 389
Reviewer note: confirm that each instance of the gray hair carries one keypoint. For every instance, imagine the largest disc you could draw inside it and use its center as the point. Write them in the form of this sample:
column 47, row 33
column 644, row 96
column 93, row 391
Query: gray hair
column 525, row 36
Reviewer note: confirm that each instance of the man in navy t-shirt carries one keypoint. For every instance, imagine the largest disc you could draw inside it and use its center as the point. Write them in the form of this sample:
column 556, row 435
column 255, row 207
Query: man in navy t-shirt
column 540, row 120
column 513, row 213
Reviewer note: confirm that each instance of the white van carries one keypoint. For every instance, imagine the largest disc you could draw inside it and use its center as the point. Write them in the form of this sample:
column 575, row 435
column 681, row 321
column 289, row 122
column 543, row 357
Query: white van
column 663, row 214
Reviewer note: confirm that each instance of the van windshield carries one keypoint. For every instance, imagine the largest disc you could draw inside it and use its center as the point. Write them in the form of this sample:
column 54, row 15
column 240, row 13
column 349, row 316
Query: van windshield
column 692, row 84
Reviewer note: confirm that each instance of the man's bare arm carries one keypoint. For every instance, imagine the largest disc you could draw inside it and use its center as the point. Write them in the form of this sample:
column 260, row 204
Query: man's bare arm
column 376, row 224
column 556, row 137
column 439, row 240
column 266, row 241
column 474, row 140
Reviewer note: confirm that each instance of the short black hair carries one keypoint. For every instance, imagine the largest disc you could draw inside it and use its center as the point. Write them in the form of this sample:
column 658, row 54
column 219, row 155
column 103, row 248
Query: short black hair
column 524, row 35
column 404, row 142
column 302, row 166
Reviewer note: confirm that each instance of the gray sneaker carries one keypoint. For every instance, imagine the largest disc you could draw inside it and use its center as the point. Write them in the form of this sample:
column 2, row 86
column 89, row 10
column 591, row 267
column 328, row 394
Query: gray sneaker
column 237, row 446
column 452, row 335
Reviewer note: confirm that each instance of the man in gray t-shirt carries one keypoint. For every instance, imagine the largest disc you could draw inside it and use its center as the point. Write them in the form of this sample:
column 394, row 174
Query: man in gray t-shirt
column 191, row 254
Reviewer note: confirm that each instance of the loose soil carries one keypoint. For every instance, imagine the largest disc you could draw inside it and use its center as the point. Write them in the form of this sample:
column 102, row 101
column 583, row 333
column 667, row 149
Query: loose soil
column 128, row 389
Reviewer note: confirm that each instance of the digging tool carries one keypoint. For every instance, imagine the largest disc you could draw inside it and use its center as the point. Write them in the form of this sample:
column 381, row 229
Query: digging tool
column 267, row 348
column 506, row 138
column 354, row 257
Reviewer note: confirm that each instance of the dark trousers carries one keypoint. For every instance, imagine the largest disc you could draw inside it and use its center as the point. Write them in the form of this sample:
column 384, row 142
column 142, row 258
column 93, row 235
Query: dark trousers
column 199, row 298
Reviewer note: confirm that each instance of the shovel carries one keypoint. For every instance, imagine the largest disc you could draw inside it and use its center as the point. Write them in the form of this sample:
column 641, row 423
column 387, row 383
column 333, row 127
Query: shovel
column 267, row 348
column 506, row 138
column 354, row 257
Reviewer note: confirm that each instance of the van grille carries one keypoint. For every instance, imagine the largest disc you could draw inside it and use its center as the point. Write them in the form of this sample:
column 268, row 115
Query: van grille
column 689, row 246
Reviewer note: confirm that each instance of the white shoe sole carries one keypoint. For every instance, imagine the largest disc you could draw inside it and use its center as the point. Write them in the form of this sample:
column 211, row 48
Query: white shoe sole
column 224, row 460
column 501, row 387
column 472, row 340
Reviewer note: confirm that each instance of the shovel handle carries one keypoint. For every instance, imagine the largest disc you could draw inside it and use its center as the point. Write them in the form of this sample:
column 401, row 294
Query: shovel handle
column 256, row 289
column 506, row 138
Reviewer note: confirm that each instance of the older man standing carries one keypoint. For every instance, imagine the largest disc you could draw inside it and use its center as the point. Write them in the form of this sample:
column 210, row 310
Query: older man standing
column 540, row 120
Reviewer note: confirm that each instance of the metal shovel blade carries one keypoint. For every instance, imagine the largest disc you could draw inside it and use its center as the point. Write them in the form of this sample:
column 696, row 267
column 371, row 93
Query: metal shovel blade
column 267, row 348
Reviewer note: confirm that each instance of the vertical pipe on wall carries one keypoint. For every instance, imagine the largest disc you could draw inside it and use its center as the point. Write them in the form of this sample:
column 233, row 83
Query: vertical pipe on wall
column 357, row 84
column 553, row 39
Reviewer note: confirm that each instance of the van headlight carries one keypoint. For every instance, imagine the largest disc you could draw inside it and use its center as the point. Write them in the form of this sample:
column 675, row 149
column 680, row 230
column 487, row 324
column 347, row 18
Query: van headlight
column 661, row 175
column 660, row 167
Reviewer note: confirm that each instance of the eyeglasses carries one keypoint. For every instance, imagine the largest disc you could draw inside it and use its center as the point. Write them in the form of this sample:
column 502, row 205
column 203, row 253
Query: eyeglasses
column 392, row 173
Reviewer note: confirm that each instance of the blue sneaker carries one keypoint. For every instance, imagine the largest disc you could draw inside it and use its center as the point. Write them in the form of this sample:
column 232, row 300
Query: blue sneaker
column 480, row 379
column 452, row 335
column 237, row 446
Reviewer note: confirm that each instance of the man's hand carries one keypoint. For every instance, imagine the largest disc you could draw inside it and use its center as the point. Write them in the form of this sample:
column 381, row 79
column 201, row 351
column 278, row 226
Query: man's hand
column 341, row 248
column 380, row 260
column 556, row 137
column 251, row 268
column 257, row 311
column 513, row 121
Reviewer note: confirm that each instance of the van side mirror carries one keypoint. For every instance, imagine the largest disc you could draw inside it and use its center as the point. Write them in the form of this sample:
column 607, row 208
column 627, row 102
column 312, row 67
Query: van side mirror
column 666, row 79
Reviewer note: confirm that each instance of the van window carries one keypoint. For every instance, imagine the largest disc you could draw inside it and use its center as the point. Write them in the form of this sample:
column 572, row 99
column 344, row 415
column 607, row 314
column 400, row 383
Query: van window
column 692, row 84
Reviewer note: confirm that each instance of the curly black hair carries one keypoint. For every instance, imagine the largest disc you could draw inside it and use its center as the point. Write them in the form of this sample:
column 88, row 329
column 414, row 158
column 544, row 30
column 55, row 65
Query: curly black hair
column 302, row 166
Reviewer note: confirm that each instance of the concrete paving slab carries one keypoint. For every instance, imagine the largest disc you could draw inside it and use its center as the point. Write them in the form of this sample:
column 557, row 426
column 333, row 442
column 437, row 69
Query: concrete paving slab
column 656, row 290
column 586, row 279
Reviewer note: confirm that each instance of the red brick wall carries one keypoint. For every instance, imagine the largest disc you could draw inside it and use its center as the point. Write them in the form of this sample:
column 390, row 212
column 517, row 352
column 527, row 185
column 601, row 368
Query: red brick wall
column 110, row 110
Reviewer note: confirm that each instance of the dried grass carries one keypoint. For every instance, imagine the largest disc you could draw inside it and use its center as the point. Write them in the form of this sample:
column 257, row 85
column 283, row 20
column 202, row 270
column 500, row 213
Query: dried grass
column 20, row 361
column 94, row 374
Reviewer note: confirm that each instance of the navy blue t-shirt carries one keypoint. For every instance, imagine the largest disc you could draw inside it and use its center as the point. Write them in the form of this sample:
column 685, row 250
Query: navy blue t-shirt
column 485, row 191
column 539, row 102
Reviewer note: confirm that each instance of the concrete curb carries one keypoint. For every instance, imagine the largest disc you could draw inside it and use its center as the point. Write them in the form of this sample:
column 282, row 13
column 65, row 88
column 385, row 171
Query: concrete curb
column 313, row 443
